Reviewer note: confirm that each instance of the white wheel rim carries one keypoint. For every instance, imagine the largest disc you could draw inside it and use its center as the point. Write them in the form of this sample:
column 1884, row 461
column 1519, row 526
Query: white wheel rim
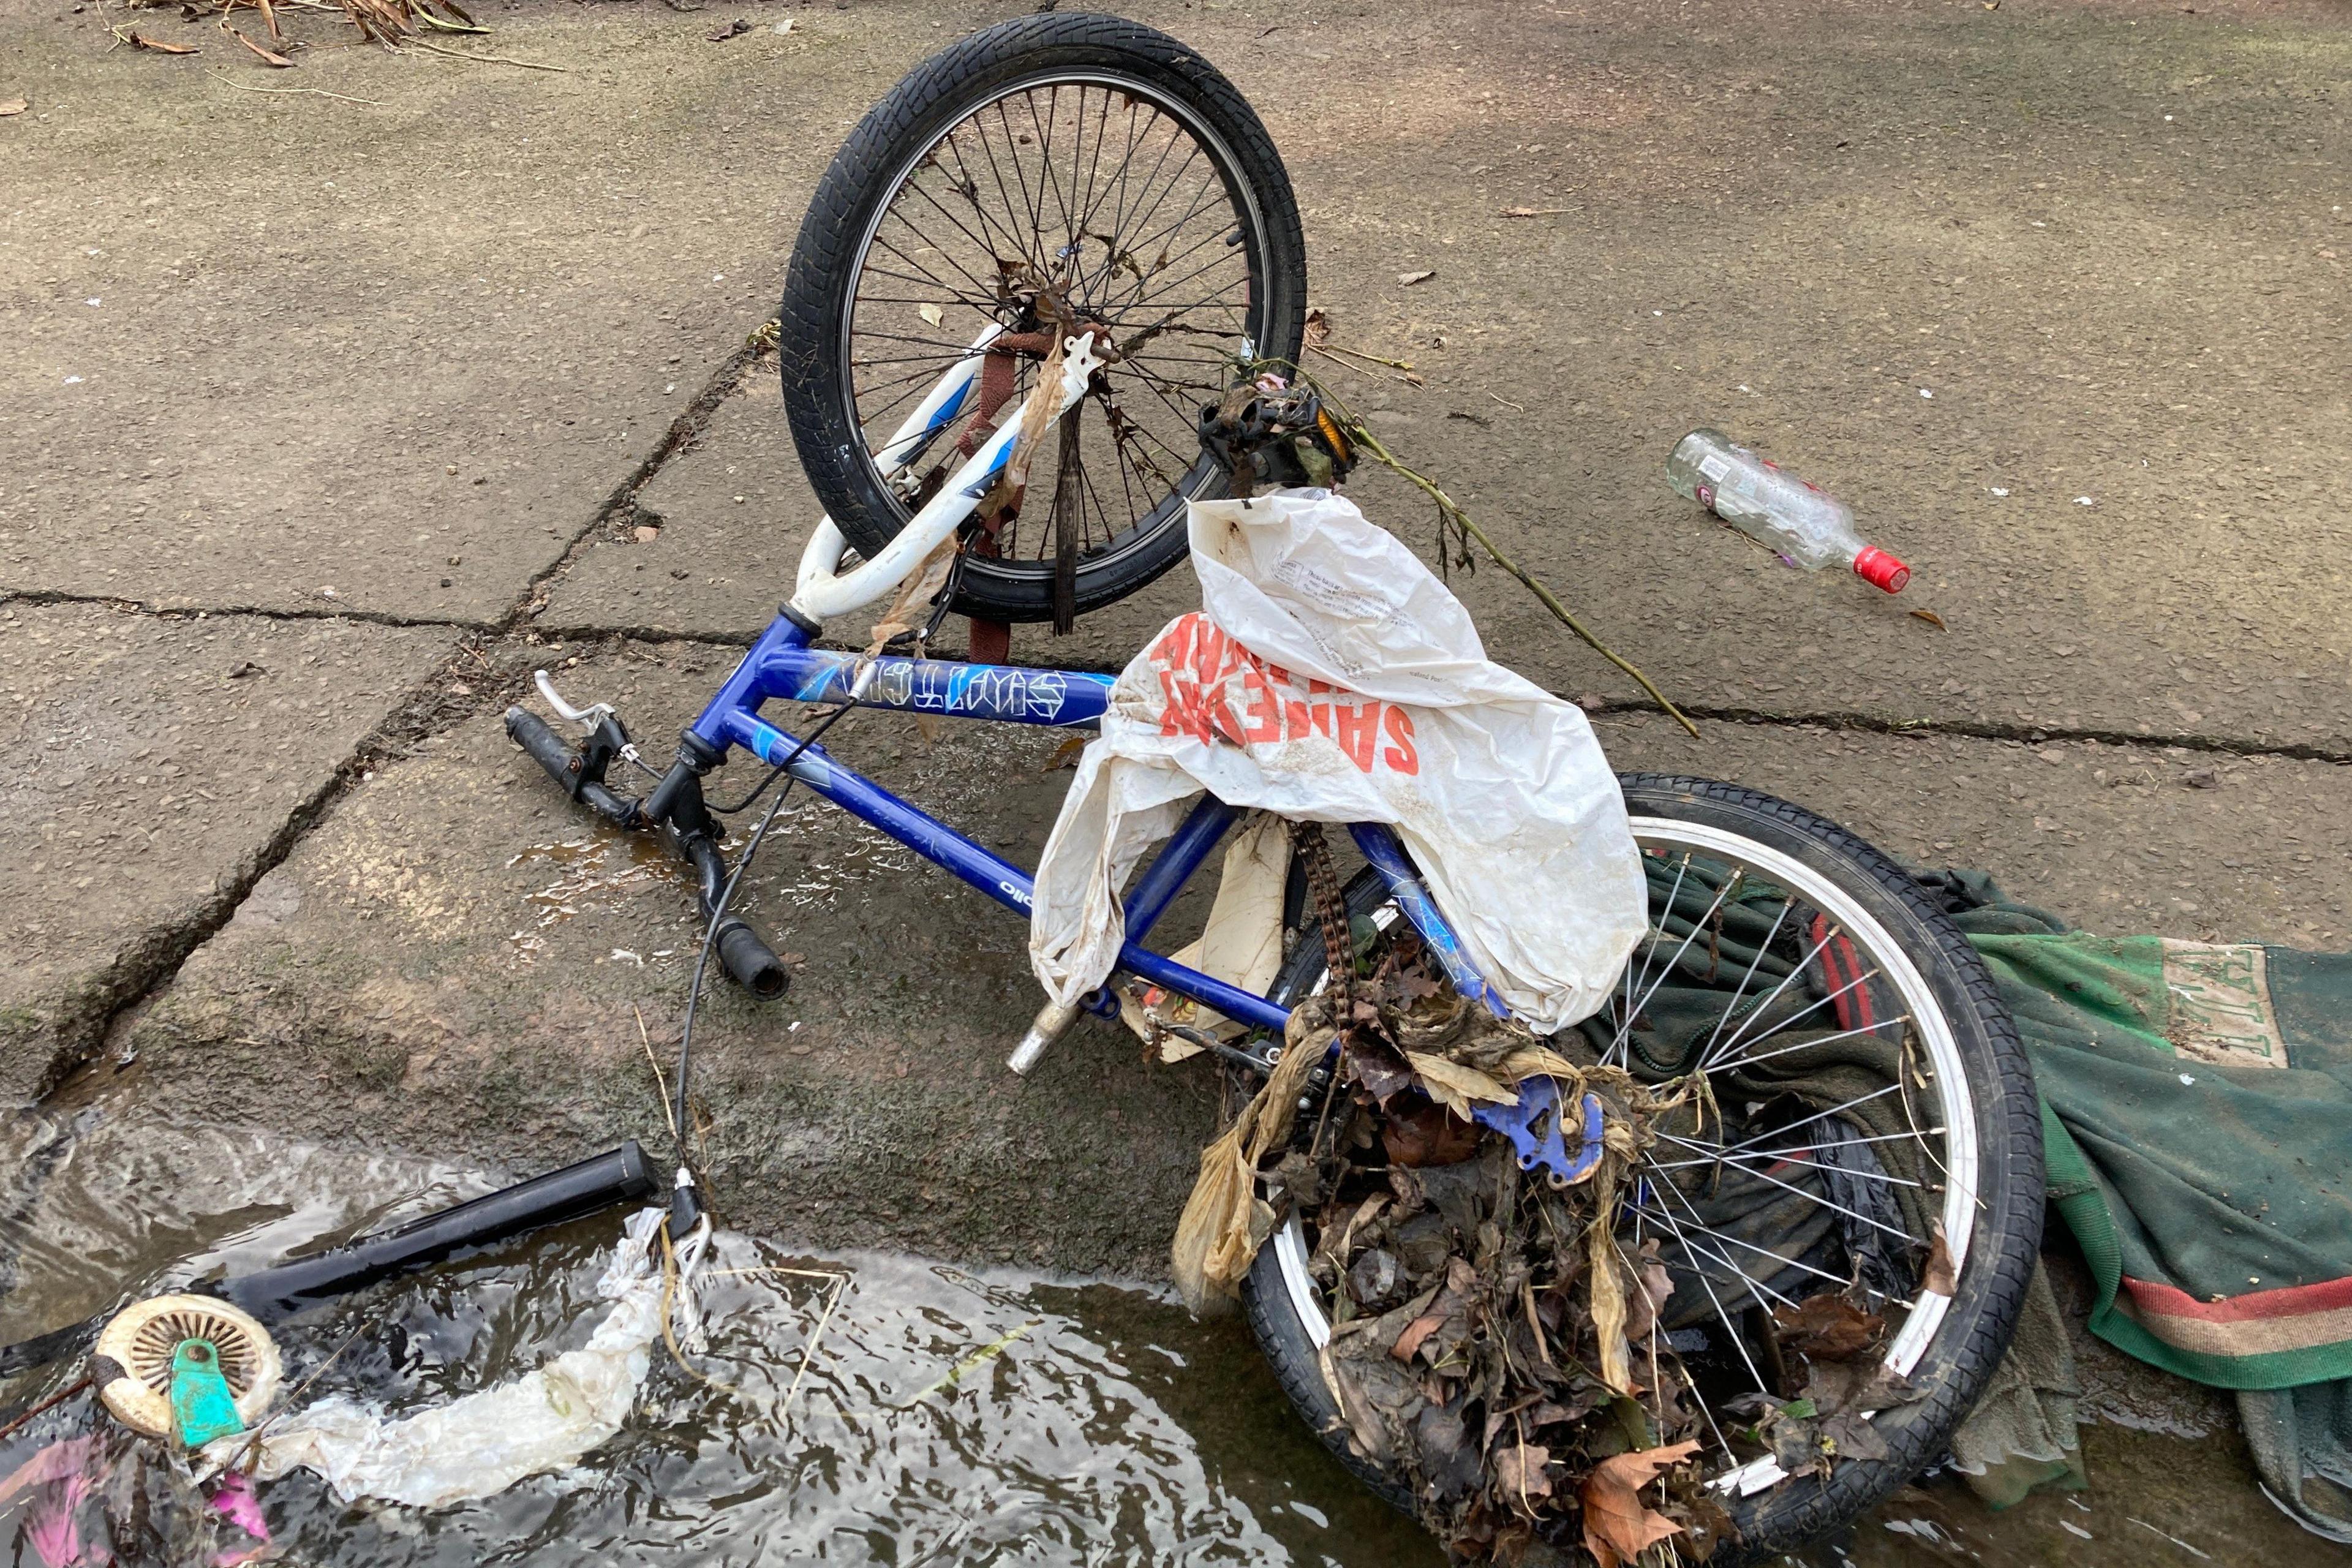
column 1962, row 1163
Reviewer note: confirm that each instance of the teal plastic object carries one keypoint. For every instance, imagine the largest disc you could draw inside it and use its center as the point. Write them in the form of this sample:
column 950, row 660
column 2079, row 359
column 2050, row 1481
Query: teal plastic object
column 202, row 1408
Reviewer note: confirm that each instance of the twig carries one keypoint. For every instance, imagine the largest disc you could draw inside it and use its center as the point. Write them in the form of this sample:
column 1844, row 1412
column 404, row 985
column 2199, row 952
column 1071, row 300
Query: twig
column 986, row 1352
column 816, row 1337
column 51, row 1403
column 484, row 59
column 660, row 1082
column 1455, row 515
column 1333, row 350
column 1515, row 407
column 286, row 92
column 250, row 1451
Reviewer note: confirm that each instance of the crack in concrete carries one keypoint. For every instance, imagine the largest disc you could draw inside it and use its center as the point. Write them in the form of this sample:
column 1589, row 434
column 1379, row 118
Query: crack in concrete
column 1991, row 729
column 150, row 962
column 257, row 612
column 690, row 423
column 154, row 959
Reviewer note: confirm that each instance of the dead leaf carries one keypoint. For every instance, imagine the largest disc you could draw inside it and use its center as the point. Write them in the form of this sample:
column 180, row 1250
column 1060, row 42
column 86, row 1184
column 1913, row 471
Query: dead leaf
column 1454, row 1086
column 1428, row 1135
column 1417, row 1331
column 278, row 61
column 1936, row 1276
column 931, row 313
column 1318, row 328
column 1410, row 279
column 140, row 41
column 1617, row 1527
column 244, row 668
column 1066, row 755
column 1412, row 378
column 1519, row 1471
column 1932, row 618
column 734, row 30
column 1828, row 1327
column 13, row 106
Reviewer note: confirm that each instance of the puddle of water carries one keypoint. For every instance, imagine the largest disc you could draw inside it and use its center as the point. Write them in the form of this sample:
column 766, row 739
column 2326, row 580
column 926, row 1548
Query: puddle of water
column 1110, row 1428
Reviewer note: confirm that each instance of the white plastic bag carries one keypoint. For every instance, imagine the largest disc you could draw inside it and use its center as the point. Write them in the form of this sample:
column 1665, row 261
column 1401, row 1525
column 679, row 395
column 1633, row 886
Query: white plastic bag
column 1331, row 677
column 485, row 1442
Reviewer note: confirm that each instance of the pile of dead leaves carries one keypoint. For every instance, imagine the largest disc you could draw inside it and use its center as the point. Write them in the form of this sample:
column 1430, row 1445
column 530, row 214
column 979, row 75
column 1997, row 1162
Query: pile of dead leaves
column 386, row 22
column 1500, row 1348
column 1492, row 1346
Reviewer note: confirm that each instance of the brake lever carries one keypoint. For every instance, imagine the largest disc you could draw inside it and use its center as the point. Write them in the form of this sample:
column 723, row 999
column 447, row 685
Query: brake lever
column 587, row 718
column 591, row 719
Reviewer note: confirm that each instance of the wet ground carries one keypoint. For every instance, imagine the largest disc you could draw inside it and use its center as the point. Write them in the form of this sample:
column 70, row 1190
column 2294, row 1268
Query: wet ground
column 316, row 444
column 850, row 1407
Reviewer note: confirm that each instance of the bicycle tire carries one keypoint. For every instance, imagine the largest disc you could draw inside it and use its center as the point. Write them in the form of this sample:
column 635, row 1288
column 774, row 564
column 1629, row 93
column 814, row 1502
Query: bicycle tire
column 822, row 280
column 2001, row 1258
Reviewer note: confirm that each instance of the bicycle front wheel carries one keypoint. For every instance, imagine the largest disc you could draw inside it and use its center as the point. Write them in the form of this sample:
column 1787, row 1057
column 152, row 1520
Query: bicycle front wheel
column 1873, row 1137
column 1054, row 172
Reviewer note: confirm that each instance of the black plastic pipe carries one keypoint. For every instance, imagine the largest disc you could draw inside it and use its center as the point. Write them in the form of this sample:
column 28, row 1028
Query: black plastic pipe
column 622, row 1176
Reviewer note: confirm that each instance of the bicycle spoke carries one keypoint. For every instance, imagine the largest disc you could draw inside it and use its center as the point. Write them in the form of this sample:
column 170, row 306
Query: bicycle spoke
column 1625, row 1032
column 1743, row 1161
column 1791, row 1021
column 1761, row 948
column 1806, row 1044
column 1759, row 1010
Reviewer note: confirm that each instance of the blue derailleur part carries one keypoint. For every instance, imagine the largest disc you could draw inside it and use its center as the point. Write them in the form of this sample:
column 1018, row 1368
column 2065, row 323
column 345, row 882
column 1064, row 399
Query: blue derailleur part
column 1536, row 1129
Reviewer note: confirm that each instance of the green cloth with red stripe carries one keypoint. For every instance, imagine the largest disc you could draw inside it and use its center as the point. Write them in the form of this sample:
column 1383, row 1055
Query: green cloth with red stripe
column 2197, row 1120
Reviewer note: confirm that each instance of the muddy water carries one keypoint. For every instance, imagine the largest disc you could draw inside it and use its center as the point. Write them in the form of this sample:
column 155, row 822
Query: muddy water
column 936, row 1416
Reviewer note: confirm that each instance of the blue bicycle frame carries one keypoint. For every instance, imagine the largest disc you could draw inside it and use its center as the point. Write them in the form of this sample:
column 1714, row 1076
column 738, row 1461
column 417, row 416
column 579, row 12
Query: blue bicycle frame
column 782, row 665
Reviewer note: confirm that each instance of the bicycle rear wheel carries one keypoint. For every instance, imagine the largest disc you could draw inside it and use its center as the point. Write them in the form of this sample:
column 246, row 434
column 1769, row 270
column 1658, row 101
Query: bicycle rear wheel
column 1050, row 173
column 1877, row 1130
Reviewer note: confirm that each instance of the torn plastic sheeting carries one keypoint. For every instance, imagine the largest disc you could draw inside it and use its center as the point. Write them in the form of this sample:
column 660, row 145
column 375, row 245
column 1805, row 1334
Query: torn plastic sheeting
column 485, row 1442
column 1329, row 677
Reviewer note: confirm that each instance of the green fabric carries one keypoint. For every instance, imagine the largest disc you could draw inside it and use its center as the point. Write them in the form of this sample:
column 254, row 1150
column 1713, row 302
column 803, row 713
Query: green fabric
column 2173, row 1165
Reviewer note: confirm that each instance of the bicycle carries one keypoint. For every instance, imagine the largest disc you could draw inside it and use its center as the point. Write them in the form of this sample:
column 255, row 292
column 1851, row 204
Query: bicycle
column 978, row 227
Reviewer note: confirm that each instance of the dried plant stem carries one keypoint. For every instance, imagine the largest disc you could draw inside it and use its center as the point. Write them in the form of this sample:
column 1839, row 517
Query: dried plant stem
column 1455, row 515
column 1333, row 351
column 291, row 91
column 480, row 60
column 816, row 1338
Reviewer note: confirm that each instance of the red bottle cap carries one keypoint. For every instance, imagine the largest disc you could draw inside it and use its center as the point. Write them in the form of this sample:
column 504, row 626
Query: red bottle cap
column 1880, row 570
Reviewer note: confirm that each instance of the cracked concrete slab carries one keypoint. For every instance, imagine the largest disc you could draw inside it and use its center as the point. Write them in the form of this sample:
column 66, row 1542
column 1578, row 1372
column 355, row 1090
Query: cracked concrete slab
column 403, row 349
column 729, row 514
column 2073, row 358
column 161, row 764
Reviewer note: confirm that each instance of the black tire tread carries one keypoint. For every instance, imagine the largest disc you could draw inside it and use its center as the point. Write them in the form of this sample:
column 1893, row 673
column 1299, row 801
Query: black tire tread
column 815, row 284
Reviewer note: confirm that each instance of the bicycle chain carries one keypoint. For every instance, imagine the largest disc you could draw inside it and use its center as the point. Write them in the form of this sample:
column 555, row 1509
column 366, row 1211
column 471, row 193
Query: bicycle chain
column 1331, row 913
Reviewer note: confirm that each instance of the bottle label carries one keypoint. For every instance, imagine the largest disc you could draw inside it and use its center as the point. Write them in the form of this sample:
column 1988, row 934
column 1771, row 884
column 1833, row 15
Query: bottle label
column 1706, row 494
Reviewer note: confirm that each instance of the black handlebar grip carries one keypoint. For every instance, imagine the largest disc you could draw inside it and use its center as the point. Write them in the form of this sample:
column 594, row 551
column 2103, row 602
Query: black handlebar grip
column 752, row 962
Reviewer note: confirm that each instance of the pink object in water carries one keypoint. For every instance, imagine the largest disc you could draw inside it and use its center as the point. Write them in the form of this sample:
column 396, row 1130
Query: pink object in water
column 234, row 1500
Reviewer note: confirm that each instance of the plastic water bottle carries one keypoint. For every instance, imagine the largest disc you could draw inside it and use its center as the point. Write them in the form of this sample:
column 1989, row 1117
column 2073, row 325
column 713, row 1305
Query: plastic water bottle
column 1803, row 523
